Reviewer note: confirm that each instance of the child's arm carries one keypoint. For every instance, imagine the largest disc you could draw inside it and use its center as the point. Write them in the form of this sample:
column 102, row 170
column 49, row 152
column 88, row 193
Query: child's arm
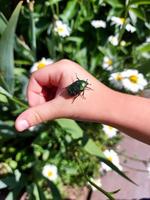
column 48, row 99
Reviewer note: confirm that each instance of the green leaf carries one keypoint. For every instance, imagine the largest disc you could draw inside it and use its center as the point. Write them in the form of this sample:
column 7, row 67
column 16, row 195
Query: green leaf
column 10, row 181
column 143, row 51
column 36, row 192
column 145, row 47
column 41, row 193
column 77, row 40
column 3, row 23
column 87, row 11
column 70, row 126
column 23, row 50
column 138, row 13
column 13, row 164
column 55, row 192
column 4, row 92
column 93, row 149
column 3, row 98
column 53, row 1
column 81, row 57
column 20, row 47
column 70, row 10
column 114, row 3
column 139, row 2
column 6, row 50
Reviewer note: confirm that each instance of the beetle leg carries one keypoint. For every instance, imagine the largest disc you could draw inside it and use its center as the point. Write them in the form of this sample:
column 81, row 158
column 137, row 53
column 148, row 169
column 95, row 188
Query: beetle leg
column 88, row 88
column 83, row 95
column 75, row 97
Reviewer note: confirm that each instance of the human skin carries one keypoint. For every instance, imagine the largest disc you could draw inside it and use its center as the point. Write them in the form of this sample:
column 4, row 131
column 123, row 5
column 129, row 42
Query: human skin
column 48, row 99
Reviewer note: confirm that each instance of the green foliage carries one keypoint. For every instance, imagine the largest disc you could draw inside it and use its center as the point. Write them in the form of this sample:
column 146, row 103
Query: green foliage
column 75, row 148
column 6, row 51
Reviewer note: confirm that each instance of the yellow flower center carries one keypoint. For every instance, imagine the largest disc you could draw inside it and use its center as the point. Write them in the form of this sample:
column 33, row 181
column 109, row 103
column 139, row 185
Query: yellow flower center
column 60, row 29
column 50, row 173
column 109, row 62
column 122, row 20
column 133, row 79
column 110, row 158
column 110, row 128
column 41, row 65
column 119, row 77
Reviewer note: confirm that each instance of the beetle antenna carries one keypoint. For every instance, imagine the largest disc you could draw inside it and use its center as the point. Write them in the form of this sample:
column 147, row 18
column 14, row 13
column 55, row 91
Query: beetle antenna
column 77, row 77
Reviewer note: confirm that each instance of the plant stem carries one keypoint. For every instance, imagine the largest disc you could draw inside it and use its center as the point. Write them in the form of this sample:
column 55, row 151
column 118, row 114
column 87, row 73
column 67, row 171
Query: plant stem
column 89, row 194
column 53, row 10
column 107, row 194
column 18, row 102
column 33, row 28
column 57, row 8
column 124, row 25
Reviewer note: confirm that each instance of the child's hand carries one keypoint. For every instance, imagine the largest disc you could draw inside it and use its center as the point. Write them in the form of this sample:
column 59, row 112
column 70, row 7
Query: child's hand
column 48, row 98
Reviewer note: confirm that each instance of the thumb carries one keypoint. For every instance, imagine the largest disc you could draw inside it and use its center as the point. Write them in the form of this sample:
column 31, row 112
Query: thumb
column 35, row 115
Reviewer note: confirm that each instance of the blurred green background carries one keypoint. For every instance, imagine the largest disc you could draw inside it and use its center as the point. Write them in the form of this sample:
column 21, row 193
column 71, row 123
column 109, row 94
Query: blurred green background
column 106, row 37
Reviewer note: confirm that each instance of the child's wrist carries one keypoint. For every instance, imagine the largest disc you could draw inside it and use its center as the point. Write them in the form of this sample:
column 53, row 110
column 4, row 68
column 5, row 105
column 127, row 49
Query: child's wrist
column 109, row 107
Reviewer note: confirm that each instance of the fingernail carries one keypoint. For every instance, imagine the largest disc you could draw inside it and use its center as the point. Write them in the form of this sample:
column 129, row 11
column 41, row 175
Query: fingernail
column 22, row 125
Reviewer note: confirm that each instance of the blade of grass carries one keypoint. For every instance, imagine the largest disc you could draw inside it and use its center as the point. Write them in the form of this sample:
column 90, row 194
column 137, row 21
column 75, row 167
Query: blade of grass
column 7, row 51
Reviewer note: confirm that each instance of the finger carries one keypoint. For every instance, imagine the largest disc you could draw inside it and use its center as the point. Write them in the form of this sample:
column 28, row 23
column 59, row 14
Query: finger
column 35, row 115
column 41, row 79
column 34, row 94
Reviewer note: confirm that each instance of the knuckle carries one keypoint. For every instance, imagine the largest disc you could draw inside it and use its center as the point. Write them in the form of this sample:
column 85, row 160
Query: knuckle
column 66, row 62
column 36, row 117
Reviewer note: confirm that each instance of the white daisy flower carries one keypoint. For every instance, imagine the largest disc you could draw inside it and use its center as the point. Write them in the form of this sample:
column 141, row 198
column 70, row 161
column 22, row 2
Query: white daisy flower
column 109, row 131
column 97, row 182
column 117, row 20
column 130, row 28
column 107, row 63
column 50, row 172
column 98, row 23
column 113, row 40
column 62, row 29
column 112, row 156
column 133, row 80
column 121, row 21
column 40, row 64
column 116, row 80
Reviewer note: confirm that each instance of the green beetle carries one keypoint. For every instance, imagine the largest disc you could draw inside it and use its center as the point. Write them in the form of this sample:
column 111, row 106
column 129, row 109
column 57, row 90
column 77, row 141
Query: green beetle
column 77, row 87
